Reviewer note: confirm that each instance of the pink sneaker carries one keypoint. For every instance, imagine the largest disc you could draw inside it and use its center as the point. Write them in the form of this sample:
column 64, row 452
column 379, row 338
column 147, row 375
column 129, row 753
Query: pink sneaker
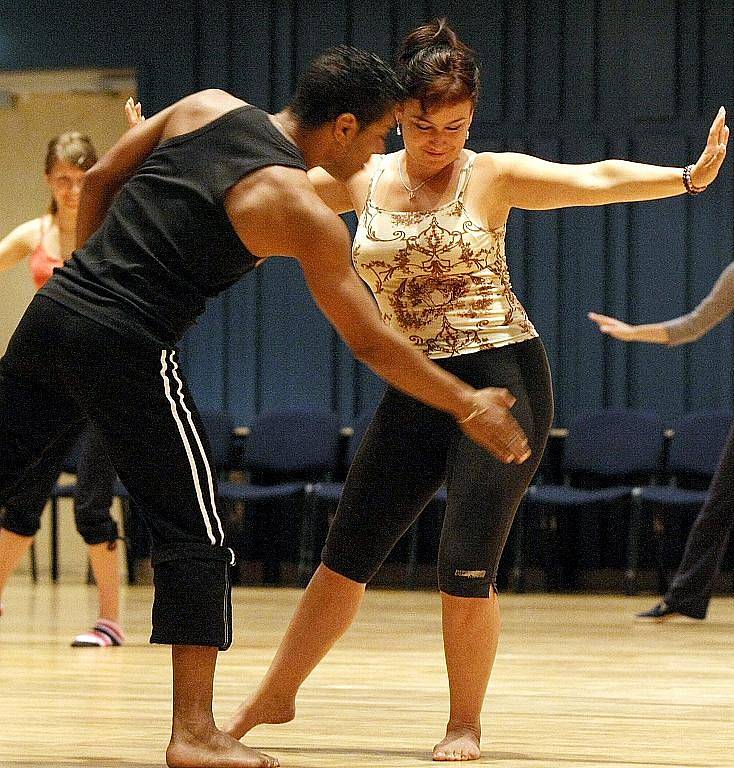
column 103, row 634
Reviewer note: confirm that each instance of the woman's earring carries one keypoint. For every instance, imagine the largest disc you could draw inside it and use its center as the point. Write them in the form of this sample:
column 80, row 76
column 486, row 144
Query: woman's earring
column 467, row 133
column 400, row 132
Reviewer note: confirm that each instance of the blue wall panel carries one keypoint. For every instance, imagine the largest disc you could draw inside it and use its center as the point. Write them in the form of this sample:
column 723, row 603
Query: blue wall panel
column 570, row 80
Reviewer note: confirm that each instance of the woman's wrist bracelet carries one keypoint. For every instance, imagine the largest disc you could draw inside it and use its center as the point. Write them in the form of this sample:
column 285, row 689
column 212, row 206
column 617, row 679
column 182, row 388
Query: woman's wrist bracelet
column 688, row 182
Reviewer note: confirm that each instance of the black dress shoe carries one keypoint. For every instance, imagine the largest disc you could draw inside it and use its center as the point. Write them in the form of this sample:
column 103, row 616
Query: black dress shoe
column 662, row 612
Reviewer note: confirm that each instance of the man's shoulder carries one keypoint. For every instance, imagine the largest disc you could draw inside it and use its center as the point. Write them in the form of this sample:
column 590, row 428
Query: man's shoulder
column 213, row 98
column 277, row 186
column 282, row 193
column 198, row 109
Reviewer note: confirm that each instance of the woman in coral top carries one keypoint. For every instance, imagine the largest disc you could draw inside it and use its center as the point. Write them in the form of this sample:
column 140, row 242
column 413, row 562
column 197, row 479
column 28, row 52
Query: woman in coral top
column 46, row 242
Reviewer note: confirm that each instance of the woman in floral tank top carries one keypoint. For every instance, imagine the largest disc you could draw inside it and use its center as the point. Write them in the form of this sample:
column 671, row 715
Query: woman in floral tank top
column 431, row 246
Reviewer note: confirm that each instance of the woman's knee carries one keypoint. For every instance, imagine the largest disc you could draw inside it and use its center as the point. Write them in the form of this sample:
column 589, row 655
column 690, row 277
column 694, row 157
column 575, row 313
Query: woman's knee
column 467, row 582
column 96, row 529
column 341, row 568
column 21, row 522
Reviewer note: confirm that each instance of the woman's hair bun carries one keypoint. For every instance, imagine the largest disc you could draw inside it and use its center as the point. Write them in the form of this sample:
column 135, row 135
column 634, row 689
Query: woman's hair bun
column 433, row 33
column 435, row 67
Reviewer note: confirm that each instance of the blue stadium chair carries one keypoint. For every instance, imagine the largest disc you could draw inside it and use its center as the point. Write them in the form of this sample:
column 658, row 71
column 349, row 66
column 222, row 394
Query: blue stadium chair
column 606, row 453
column 67, row 490
column 697, row 442
column 61, row 490
column 548, row 472
column 286, row 452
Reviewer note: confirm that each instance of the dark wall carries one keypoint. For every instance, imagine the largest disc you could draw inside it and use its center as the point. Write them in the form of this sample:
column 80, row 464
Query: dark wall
column 570, row 80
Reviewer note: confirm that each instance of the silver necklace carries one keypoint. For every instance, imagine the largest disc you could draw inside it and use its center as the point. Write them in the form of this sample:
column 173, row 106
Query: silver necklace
column 412, row 190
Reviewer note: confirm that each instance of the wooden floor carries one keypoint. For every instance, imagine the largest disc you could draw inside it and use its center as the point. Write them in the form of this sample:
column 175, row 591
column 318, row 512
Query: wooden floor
column 577, row 684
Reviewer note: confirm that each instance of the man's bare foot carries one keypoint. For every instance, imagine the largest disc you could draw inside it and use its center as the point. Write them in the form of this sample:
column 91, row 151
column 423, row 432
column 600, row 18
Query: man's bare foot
column 460, row 743
column 254, row 711
column 214, row 749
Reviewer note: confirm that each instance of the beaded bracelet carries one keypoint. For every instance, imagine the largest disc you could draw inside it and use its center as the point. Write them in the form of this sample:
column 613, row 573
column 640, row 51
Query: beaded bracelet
column 688, row 183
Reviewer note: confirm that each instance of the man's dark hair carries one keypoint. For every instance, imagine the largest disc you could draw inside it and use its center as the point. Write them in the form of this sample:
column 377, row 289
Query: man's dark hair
column 345, row 79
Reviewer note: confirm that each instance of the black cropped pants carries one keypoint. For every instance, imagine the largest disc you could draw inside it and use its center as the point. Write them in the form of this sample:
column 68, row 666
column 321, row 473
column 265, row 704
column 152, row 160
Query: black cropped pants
column 63, row 370
column 92, row 497
column 692, row 586
column 410, row 449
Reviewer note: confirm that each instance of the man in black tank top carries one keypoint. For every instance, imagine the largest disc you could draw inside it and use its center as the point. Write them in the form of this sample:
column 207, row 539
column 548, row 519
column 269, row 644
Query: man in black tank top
column 179, row 209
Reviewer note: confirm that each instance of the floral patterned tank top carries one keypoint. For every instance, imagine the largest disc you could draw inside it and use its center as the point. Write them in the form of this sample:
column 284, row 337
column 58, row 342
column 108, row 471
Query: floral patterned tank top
column 439, row 278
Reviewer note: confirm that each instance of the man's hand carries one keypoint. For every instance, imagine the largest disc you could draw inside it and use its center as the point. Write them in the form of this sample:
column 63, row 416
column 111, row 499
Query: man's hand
column 491, row 425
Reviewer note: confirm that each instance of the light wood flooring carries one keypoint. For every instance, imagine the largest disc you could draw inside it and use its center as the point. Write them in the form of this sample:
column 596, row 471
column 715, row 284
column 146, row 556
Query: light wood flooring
column 577, row 684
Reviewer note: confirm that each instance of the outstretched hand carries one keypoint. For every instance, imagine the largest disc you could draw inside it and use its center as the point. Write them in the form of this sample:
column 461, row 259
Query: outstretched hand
column 133, row 113
column 612, row 327
column 707, row 166
column 493, row 427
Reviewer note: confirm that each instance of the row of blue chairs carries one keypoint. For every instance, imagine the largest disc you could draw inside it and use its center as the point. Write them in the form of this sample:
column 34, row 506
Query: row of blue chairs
column 292, row 462
column 613, row 459
column 625, row 462
column 283, row 454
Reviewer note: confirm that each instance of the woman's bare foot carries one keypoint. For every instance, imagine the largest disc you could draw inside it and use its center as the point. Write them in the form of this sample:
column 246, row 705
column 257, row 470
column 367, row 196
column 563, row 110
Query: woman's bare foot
column 255, row 711
column 213, row 749
column 460, row 743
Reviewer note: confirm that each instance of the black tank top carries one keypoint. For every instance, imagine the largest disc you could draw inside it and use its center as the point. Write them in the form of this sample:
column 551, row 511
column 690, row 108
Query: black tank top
column 166, row 244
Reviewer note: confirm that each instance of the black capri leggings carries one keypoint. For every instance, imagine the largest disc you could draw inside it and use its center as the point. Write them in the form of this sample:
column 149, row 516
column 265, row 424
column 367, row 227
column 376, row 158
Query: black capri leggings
column 92, row 498
column 410, row 449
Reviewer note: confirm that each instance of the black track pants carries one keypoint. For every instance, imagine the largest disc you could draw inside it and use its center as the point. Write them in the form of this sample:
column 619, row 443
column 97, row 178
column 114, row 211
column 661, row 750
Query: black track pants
column 62, row 370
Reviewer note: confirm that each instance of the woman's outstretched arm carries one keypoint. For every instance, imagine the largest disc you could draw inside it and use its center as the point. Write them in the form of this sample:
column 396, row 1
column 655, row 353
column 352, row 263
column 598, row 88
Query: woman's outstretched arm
column 534, row 184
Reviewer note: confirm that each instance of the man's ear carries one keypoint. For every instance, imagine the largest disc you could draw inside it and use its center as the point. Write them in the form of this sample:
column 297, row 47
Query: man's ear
column 346, row 127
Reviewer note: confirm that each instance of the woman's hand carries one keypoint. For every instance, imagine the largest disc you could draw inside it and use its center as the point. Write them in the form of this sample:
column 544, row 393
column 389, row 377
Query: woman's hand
column 133, row 113
column 652, row 333
column 613, row 327
column 707, row 166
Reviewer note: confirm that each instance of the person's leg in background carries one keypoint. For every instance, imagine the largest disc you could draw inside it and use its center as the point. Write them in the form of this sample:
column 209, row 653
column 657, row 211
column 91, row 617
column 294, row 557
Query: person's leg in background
column 92, row 501
column 20, row 518
column 692, row 586
column 39, row 424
